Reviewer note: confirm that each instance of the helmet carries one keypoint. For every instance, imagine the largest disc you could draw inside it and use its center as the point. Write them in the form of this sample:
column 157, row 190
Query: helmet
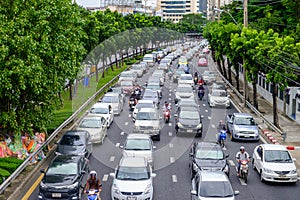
column 242, row 148
column 93, row 173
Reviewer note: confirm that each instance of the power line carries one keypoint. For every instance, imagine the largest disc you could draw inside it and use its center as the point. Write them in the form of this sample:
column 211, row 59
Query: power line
column 265, row 4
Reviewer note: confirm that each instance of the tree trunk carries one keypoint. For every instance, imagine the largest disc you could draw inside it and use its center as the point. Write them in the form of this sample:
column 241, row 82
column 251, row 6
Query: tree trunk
column 103, row 68
column 111, row 65
column 97, row 74
column 229, row 71
column 254, row 86
column 219, row 66
column 70, row 91
column 116, row 60
column 274, row 95
column 237, row 79
column 224, row 68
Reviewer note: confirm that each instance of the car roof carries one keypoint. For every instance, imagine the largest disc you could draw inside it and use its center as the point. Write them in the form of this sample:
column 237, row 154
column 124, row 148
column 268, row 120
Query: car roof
column 215, row 176
column 145, row 101
column 111, row 94
column 100, row 105
column 147, row 110
column 186, row 74
column 206, row 145
column 66, row 159
column 273, row 147
column 133, row 162
column 75, row 132
column 92, row 117
column 242, row 115
column 138, row 136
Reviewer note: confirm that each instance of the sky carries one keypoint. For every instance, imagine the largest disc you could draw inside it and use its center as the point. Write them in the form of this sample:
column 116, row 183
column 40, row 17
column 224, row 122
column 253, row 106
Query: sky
column 88, row 3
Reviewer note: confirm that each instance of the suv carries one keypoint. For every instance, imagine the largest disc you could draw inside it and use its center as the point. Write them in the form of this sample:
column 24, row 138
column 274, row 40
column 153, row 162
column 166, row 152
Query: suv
column 148, row 122
column 133, row 179
column 208, row 156
column 63, row 178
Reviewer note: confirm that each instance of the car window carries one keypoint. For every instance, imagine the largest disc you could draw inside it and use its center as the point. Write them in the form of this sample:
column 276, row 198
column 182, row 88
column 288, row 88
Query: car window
column 99, row 110
column 277, row 156
column 133, row 173
column 218, row 93
column 90, row 123
column 137, row 144
column 110, row 99
column 244, row 121
column 72, row 140
column 189, row 115
column 185, row 89
column 208, row 189
column 144, row 105
column 209, row 154
column 147, row 116
column 126, row 83
column 186, row 77
column 58, row 168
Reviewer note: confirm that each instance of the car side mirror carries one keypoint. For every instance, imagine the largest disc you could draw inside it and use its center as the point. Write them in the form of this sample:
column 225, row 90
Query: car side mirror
column 227, row 155
column 193, row 192
column 153, row 175
column 154, row 147
column 175, row 115
column 294, row 159
column 112, row 175
column 83, row 172
column 121, row 147
column 236, row 192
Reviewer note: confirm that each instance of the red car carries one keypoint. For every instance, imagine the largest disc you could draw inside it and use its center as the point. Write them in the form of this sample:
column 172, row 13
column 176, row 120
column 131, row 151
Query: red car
column 202, row 62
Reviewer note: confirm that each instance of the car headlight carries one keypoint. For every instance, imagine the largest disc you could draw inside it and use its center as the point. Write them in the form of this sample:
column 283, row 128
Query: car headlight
column 199, row 126
column 268, row 170
column 73, row 186
column 293, row 171
column 115, row 189
column 136, row 128
column 155, row 127
column 179, row 125
column 43, row 185
column 148, row 189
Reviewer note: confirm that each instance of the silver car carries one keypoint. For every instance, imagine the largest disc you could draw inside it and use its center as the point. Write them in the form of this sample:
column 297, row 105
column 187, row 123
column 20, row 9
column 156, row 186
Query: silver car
column 184, row 91
column 96, row 126
column 114, row 100
column 218, row 97
column 209, row 77
column 142, row 104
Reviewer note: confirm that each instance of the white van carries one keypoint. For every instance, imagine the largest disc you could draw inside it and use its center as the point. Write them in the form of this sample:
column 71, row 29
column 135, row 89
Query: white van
column 149, row 58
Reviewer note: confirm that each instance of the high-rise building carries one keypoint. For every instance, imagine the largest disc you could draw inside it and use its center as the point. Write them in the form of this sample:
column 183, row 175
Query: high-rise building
column 175, row 9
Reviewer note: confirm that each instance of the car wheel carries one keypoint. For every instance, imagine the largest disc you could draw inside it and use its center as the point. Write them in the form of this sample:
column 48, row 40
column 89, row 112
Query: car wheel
column 231, row 137
column 261, row 177
column 158, row 137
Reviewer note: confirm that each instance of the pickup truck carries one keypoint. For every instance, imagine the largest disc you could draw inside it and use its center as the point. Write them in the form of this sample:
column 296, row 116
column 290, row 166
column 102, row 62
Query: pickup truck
column 242, row 126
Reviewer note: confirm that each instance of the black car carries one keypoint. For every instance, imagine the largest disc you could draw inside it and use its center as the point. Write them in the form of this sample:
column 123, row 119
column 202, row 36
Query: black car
column 208, row 156
column 75, row 142
column 64, row 178
column 188, row 121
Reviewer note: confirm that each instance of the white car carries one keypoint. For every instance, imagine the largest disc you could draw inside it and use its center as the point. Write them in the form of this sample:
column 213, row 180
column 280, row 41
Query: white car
column 114, row 100
column 142, row 104
column 186, row 79
column 139, row 145
column 184, row 91
column 138, row 69
column 218, row 97
column 102, row 110
column 132, row 180
column 274, row 163
column 128, row 75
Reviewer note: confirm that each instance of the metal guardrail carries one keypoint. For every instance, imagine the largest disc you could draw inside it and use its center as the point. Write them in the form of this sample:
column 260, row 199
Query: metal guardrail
column 270, row 124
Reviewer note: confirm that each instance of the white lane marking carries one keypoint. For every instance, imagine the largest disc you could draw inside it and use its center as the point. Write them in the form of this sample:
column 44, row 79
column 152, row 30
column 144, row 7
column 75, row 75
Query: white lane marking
column 170, row 99
column 298, row 178
column 209, row 117
column 112, row 159
column 129, row 115
column 174, row 178
column 170, row 124
column 242, row 182
column 206, row 110
column 122, row 133
column 170, row 145
column 214, row 126
column 126, row 123
column 172, row 159
column 170, row 94
column 224, row 148
column 105, row 178
column 118, row 145
column 170, row 134
column 204, row 104
column 232, row 164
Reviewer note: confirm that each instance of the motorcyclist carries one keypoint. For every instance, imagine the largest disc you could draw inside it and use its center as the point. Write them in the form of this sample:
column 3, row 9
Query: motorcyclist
column 137, row 92
column 167, row 106
column 241, row 155
column 221, row 126
column 200, row 81
column 218, row 135
column 93, row 183
column 195, row 78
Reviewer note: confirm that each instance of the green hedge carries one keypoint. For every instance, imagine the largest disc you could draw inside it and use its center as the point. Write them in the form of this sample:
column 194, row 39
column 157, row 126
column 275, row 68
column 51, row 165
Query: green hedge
column 8, row 166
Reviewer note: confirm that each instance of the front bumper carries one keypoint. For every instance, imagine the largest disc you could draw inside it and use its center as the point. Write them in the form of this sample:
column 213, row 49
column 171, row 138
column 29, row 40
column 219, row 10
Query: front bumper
column 274, row 177
column 245, row 137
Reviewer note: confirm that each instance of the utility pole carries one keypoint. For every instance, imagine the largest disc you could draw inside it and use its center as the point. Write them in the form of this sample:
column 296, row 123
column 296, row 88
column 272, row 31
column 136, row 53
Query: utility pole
column 219, row 13
column 245, row 78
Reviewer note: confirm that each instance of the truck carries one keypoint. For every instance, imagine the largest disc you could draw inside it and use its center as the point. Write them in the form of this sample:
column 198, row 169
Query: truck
column 242, row 126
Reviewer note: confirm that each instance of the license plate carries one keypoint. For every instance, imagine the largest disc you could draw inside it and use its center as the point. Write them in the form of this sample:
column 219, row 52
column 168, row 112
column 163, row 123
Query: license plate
column 247, row 136
column 146, row 131
column 131, row 198
column 282, row 176
column 57, row 195
column 189, row 131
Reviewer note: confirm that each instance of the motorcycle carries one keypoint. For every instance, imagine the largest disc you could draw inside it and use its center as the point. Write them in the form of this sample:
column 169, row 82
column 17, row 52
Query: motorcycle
column 167, row 115
column 243, row 173
column 200, row 94
column 221, row 137
column 93, row 194
column 132, row 102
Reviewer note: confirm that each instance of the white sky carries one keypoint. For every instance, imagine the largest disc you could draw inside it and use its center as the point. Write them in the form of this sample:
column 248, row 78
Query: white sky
column 88, row 3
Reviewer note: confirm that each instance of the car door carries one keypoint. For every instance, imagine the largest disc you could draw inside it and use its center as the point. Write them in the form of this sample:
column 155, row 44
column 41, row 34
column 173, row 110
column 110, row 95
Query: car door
column 103, row 126
column 258, row 158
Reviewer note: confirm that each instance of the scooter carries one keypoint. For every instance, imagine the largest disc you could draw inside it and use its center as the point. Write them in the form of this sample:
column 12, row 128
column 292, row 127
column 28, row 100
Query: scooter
column 132, row 102
column 167, row 115
column 201, row 94
column 221, row 137
column 243, row 173
column 93, row 194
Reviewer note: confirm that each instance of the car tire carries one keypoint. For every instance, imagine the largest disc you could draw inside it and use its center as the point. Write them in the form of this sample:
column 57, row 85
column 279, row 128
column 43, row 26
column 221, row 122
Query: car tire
column 261, row 177
column 231, row 137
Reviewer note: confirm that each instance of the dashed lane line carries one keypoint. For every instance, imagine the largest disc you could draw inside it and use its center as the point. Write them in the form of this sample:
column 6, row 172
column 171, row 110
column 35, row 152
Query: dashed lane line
column 242, row 182
column 129, row 115
column 172, row 159
column 112, row 159
column 170, row 124
column 174, row 179
column 206, row 110
column 118, row 145
column 232, row 164
column 170, row 134
column 214, row 126
column 122, row 133
column 126, row 123
column 170, row 145
column 105, row 178
column 209, row 117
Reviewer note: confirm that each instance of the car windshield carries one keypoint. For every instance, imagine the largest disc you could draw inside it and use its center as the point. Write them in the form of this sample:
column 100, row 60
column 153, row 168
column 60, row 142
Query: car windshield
column 277, row 156
column 126, row 83
column 209, row 154
column 189, row 114
column 147, row 116
column 218, row 93
column 99, row 110
column 186, row 77
column 72, row 140
column 90, row 123
column 182, row 60
column 179, row 72
column 132, row 173
column 155, row 87
column 150, row 95
column 144, row 105
column 148, row 59
column 126, row 75
column 136, row 67
column 185, row 89
column 244, row 121
column 110, row 99
column 208, row 73
column 137, row 144
column 116, row 90
column 164, row 61
column 202, row 60
column 59, row 168
column 215, row 189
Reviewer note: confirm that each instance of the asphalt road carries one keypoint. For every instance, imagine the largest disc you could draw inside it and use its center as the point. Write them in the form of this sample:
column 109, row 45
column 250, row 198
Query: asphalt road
column 173, row 180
